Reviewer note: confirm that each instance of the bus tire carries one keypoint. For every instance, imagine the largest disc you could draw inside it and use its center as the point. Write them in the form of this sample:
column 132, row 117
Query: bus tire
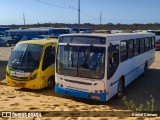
column 145, row 69
column 120, row 87
column 51, row 83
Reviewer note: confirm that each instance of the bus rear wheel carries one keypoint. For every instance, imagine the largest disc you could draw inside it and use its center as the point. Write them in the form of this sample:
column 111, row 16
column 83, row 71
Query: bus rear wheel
column 120, row 87
column 145, row 69
column 51, row 83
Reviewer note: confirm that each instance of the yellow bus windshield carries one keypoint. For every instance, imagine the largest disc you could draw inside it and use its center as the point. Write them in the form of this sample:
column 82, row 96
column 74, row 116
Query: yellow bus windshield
column 25, row 56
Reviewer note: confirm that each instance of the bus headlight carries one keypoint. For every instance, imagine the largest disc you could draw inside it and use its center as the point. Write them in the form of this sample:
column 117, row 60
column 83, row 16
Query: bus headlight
column 96, row 91
column 100, row 91
column 33, row 76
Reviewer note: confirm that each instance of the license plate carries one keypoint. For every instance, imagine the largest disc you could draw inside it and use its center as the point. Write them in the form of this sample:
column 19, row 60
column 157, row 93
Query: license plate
column 17, row 73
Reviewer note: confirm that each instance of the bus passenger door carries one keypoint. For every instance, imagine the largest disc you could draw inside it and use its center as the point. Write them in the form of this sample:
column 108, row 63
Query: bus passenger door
column 48, row 66
column 112, row 66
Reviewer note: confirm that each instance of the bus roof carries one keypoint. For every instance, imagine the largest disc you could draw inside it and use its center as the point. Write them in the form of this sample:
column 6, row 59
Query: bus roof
column 111, row 35
column 40, row 42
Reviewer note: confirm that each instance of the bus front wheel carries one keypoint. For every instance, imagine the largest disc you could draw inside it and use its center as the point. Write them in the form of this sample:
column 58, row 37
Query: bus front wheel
column 120, row 87
column 51, row 83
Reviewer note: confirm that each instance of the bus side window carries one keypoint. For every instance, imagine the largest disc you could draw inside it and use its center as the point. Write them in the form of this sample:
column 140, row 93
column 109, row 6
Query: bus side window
column 150, row 43
column 142, row 45
column 113, row 60
column 49, row 57
column 153, row 42
column 130, row 48
column 146, row 44
column 136, row 47
column 123, row 51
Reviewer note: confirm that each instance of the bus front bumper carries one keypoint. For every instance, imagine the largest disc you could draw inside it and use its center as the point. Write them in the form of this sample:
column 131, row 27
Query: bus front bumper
column 32, row 84
column 81, row 94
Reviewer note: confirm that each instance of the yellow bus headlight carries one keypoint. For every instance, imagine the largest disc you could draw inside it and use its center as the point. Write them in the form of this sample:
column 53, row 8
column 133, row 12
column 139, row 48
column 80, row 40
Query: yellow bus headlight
column 33, row 76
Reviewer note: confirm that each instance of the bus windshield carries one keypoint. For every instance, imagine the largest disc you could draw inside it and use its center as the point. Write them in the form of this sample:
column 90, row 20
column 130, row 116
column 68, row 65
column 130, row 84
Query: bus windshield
column 81, row 61
column 25, row 56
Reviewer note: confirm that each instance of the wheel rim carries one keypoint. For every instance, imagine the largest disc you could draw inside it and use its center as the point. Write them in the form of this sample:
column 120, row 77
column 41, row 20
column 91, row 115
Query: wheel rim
column 50, row 83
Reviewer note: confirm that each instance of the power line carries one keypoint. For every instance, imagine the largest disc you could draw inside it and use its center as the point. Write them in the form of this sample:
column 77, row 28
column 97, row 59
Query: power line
column 51, row 4
column 70, row 7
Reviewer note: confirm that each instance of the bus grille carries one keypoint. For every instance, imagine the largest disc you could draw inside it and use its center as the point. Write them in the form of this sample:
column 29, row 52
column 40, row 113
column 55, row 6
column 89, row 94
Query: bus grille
column 84, row 83
column 19, row 78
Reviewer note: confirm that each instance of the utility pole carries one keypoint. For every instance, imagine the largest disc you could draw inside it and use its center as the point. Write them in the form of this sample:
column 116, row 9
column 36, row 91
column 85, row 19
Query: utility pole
column 24, row 20
column 100, row 17
column 79, row 12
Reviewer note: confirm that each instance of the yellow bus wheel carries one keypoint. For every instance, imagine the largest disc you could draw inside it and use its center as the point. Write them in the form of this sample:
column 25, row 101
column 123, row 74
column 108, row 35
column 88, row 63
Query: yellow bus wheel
column 51, row 83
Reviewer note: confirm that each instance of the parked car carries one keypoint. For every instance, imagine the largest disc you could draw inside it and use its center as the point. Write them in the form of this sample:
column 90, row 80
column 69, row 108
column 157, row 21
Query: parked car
column 157, row 45
column 2, row 42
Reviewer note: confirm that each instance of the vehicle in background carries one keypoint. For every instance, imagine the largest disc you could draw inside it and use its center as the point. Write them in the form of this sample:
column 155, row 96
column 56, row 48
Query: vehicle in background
column 156, row 32
column 3, row 29
column 11, row 40
column 2, row 42
column 2, row 34
column 82, row 30
column 34, row 32
column 14, row 36
column 157, row 45
column 99, row 66
column 59, row 31
column 32, row 64
column 32, row 38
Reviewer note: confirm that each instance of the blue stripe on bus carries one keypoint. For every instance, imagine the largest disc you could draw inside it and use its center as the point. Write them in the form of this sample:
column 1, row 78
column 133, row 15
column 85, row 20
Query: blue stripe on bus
column 81, row 94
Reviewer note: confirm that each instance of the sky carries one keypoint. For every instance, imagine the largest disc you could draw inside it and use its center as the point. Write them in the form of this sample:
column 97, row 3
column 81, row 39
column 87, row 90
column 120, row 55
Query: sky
column 58, row 11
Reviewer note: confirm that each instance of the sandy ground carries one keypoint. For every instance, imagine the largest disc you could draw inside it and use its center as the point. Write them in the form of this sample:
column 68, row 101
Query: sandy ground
column 12, row 99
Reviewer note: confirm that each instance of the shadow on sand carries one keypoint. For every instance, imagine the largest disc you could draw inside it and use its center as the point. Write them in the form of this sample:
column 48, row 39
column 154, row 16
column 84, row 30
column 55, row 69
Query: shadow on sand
column 139, row 91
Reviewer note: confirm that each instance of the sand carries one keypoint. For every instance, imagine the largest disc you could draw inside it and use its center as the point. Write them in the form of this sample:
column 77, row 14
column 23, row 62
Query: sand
column 13, row 99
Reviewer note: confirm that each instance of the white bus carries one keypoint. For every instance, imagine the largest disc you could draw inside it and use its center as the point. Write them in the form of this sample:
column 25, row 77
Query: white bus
column 99, row 66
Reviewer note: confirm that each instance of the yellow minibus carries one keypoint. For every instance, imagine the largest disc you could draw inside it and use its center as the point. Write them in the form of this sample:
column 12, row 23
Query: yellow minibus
column 32, row 64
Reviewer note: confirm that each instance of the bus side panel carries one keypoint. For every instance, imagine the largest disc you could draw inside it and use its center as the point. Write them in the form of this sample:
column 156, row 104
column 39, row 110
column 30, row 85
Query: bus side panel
column 135, row 67
column 150, row 55
column 46, row 74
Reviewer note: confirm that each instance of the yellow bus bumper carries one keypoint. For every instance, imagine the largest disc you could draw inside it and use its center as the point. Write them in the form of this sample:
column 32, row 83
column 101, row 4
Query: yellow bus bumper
column 30, row 84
